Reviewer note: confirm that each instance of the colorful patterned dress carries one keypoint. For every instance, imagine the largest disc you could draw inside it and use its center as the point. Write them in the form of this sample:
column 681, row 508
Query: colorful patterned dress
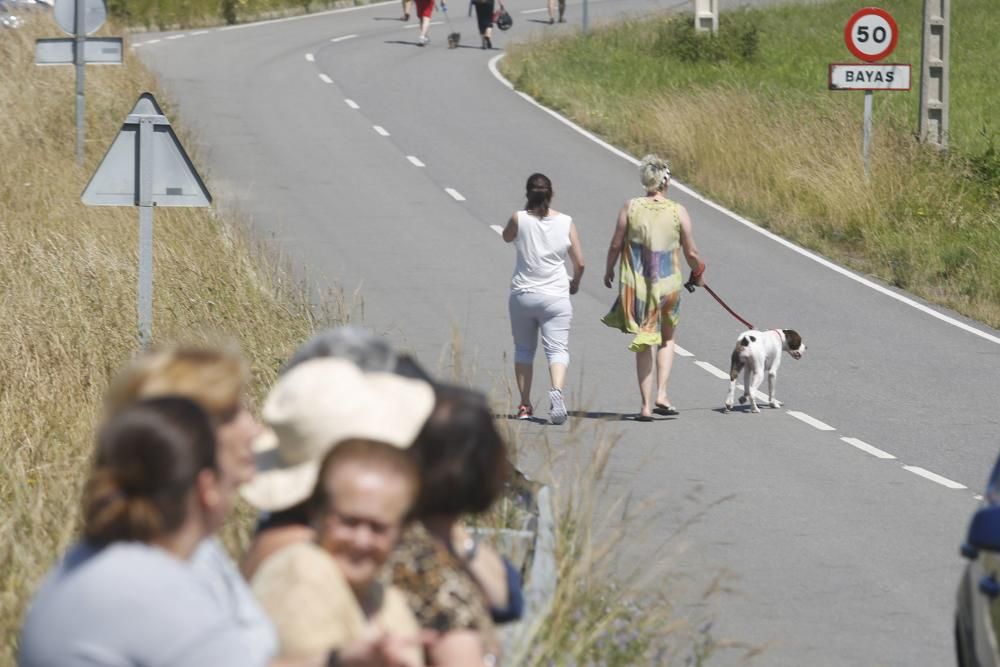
column 650, row 278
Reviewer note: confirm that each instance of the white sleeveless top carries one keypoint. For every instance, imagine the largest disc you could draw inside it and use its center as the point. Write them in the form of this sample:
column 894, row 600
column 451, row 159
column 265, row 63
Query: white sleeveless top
column 542, row 245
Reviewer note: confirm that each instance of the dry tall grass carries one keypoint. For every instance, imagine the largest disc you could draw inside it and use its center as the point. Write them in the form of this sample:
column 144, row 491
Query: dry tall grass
column 68, row 303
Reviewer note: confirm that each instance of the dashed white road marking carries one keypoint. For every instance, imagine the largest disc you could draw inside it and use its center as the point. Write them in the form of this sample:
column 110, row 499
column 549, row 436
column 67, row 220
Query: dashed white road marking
column 681, row 352
column 152, row 41
column 865, row 447
column 324, row 78
column 534, row 11
column 934, row 477
column 176, row 36
column 497, row 228
column 341, row 39
column 977, row 497
column 352, row 103
column 415, row 161
column 417, row 25
column 200, row 32
column 455, row 194
column 717, row 372
column 812, row 421
column 744, row 221
column 381, row 130
column 310, row 58
column 136, row 46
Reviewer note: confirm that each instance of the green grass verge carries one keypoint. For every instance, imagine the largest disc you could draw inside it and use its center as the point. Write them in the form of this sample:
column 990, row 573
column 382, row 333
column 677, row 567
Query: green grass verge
column 746, row 118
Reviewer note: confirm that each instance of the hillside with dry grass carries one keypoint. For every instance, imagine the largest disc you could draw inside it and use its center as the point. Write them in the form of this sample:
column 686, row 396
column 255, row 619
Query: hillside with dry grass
column 68, row 299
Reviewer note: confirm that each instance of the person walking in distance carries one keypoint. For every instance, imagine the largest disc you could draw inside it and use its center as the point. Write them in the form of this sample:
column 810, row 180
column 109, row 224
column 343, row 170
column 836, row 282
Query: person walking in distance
column 425, row 8
column 406, row 10
column 650, row 234
column 540, row 291
column 484, row 17
column 552, row 11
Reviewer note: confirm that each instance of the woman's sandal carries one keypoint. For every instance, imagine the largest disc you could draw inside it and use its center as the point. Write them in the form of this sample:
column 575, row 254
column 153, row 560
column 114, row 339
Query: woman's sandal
column 643, row 418
column 665, row 410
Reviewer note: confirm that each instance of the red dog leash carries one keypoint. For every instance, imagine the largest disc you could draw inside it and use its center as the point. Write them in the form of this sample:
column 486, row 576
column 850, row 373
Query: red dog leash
column 690, row 288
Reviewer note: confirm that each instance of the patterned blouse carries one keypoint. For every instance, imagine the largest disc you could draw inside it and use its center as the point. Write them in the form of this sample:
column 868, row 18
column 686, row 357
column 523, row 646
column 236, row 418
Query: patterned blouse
column 439, row 588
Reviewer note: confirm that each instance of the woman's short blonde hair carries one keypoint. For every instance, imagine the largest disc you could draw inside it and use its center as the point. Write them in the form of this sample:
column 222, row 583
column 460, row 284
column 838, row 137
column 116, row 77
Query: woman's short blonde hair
column 214, row 378
column 654, row 172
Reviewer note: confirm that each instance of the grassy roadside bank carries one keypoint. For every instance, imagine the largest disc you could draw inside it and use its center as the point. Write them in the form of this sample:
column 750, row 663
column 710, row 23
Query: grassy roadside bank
column 67, row 301
column 167, row 15
column 747, row 120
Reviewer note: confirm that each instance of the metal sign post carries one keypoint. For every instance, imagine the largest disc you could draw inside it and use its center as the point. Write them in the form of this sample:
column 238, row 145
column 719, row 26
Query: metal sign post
column 146, row 166
column 79, row 18
column 871, row 35
column 79, row 36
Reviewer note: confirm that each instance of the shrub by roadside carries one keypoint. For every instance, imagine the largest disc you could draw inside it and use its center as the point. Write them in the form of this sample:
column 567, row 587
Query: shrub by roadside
column 763, row 136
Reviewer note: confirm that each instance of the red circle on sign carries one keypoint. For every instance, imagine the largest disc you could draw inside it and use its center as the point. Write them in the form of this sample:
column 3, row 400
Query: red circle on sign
column 859, row 38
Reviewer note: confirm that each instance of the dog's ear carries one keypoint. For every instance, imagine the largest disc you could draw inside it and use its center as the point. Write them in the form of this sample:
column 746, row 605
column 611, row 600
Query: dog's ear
column 792, row 338
column 745, row 342
column 753, row 339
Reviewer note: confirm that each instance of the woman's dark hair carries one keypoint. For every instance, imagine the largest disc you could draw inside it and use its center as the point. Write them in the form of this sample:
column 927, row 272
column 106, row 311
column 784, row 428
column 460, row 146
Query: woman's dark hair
column 148, row 459
column 463, row 459
column 538, row 190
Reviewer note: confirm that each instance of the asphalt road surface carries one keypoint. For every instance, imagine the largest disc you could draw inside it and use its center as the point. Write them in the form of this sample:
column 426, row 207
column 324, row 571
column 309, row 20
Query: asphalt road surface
column 375, row 165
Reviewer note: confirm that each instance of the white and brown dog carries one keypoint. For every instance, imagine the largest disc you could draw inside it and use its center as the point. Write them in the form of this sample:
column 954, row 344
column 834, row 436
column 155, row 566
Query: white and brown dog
column 757, row 353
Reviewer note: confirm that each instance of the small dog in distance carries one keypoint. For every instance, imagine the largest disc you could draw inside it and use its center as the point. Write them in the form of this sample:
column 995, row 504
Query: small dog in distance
column 757, row 353
column 453, row 39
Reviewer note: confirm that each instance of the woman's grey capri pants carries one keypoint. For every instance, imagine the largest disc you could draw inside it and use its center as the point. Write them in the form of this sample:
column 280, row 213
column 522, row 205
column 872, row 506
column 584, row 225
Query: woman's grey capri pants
column 530, row 312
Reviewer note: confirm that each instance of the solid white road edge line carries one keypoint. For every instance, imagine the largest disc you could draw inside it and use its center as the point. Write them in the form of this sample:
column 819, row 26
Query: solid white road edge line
column 934, row 477
column 310, row 58
column 812, row 421
column 381, row 130
column 865, row 447
column 324, row 78
column 415, row 161
column 341, row 39
column 455, row 194
column 309, row 16
column 743, row 221
column 497, row 228
column 717, row 372
column 351, row 103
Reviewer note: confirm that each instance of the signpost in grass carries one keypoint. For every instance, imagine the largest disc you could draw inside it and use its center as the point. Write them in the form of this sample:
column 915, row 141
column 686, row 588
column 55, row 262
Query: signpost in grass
column 871, row 35
column 934, row 73
column 146, row 166
column 79, row 18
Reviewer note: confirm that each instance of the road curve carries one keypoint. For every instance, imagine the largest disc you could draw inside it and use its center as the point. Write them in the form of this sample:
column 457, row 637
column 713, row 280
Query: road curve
column 374, row 164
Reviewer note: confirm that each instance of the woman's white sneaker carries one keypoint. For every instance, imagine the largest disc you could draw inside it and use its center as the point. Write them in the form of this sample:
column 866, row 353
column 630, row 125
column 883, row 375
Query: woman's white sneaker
column 557, row 407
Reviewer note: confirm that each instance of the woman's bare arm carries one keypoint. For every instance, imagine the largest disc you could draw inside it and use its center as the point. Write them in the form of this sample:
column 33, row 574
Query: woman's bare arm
column 616, row 246
column 576, row 257
column 690, row 248
column 510, row 231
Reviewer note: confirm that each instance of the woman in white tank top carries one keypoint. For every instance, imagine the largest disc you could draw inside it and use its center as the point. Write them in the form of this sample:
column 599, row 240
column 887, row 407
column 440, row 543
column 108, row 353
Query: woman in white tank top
column 539, row 292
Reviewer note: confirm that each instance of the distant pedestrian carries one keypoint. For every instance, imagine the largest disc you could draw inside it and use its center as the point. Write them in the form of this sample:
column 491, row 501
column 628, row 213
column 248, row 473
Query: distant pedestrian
column 540, row 291
column 552, row 11
column 406, row 10
column 649, row 237
column 425, row 9
column 484, row 17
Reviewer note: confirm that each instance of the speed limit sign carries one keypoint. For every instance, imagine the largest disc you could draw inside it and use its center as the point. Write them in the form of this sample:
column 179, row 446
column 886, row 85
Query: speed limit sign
column 871, row 34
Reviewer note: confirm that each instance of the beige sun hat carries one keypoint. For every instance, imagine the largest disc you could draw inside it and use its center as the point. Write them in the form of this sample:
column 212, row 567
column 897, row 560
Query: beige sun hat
column 318, row 404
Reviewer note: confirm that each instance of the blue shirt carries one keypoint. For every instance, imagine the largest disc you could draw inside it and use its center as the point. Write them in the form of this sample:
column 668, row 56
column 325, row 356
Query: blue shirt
column 132, row 604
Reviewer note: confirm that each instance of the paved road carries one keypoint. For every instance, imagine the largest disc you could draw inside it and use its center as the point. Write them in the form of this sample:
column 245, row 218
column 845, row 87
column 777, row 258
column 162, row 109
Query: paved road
column 373, row 164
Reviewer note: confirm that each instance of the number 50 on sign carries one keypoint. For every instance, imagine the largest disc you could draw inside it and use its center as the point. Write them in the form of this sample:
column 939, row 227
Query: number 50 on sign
column 871, row 34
